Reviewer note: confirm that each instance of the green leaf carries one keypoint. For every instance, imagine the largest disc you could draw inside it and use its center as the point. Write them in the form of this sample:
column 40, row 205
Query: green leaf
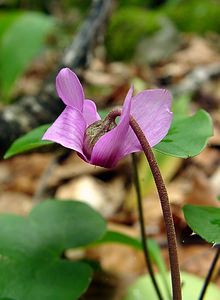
column 31, row 266
column 181, row 105
column 20, row 43
column 191, row 288
column 69, row 224
column 121, row 238
column 29, row 141
column 204, row 220
column 33, row 139
column 187, row 136
column 7, row 18
column 55, row 280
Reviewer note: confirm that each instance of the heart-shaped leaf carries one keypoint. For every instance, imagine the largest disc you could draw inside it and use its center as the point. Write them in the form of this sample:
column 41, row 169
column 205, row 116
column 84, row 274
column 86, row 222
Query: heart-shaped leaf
column 204, row 220
column 35, row 279
column 187, row 136
column 29, row 141
column 31, row 266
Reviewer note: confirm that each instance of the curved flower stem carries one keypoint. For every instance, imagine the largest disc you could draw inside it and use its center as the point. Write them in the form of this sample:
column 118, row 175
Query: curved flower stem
column 143, row 236
column 209, row 275
column 168, row 220
column 164, row 201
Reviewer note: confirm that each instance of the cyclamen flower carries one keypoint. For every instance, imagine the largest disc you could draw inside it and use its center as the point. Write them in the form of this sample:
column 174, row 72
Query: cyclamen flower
column 103, row 142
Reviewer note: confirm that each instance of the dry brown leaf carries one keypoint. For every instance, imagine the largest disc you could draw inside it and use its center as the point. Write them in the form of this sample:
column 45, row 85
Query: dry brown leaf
column 197, row 52
column 14, row 202
column 201, row 192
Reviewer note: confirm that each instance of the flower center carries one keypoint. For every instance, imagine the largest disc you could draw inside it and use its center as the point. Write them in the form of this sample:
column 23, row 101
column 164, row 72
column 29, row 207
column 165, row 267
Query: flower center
column 94, row 132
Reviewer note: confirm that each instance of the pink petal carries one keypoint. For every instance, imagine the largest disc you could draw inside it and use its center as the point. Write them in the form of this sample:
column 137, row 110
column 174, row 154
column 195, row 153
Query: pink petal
column 90, row 113
column 69, row 89
column 109, row 148
column 151, row 109
column 68, row 130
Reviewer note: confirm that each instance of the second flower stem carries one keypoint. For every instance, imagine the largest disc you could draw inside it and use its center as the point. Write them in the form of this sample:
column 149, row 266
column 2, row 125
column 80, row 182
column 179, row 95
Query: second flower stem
column 210, row 273
column 142, row 228
column 168, row 220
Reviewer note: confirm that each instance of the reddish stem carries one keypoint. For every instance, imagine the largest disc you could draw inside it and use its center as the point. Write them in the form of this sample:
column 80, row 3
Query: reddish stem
column 167, row 215
column 164, row 201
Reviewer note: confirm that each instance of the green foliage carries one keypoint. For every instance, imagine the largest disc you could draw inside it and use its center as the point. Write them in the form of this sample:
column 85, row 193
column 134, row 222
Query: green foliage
column 127, row 3
column 195, row 16
column 181, row 106
column 121, row 238
column 29, row 141
column 22, row 38
column 204, row 220
column 31, row 266
column 85, row 4
column 128, row 26
column 7, row 19
column 33, row 139
column 187, row 136
column 192, row 285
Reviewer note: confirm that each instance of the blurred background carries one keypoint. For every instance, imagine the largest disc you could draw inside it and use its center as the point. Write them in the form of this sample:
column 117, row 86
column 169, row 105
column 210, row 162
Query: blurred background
column 151, row 43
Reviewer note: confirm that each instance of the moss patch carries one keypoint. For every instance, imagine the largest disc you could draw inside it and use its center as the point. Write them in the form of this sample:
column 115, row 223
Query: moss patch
column 128, row 26
column 195, row 16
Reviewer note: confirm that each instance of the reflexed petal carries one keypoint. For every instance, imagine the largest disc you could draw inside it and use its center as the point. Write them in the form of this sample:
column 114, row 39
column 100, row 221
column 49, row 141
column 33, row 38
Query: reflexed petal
column 68, row 130
column 69, row 89
column 109, row 148
column 90, row 113
column 151, row 109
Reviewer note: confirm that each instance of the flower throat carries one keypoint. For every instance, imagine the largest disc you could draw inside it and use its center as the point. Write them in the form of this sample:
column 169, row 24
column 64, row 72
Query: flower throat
column 95, row 131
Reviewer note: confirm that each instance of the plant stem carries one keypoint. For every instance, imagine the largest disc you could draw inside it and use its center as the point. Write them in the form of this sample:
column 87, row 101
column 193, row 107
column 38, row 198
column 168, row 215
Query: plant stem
column 209, row 275
column 142, row 227
column 167, row 215
column 164, row 201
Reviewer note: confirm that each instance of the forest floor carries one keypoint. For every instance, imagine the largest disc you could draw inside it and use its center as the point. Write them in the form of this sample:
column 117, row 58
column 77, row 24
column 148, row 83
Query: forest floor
column 29, row 178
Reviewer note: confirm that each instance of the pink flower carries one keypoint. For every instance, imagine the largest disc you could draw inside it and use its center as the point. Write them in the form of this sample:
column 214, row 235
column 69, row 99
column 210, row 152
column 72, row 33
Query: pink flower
column 103, row 143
